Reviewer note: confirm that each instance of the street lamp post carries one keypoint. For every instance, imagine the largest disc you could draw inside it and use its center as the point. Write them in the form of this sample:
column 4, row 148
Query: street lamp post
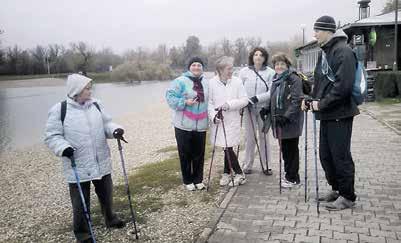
column 395, row 65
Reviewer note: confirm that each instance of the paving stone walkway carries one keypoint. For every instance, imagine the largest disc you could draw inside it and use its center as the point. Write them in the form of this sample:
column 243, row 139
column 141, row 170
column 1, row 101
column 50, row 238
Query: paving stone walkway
column 257, row 212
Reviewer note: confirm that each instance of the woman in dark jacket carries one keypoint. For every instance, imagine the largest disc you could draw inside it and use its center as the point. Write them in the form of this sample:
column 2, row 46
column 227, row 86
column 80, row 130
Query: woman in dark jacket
column 285, row 105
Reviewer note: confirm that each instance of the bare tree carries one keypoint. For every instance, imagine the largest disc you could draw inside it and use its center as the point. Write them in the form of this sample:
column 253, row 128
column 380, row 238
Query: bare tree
column 160, row 55
column 226, row 47
column 1, row 51
column 389, row 6
column 86, row 55
column 39, row 54
column 192, row 48
column 13, row 56
column 240, row 52
column 253, row 42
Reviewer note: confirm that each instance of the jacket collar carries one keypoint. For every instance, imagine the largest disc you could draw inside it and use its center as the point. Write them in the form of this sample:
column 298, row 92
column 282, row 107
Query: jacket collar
column 77, row 105
column 339, row 36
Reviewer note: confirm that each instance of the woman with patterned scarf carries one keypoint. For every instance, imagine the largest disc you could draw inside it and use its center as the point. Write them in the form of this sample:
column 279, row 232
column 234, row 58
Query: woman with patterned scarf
column 285, row 105
column 187, row 96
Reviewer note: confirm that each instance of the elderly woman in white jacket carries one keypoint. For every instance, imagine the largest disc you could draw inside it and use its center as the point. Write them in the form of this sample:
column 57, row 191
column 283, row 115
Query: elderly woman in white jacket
column 226, row 93
column 81, row 134
column 257, row 79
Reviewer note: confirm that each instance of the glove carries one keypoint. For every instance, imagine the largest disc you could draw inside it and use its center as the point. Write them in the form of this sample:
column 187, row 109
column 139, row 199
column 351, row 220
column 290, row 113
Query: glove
column 253, row 100
column 224, row 107
column 68, row 152
column 281, row 121
column 264, row 112
column 216, row 120
column 218, row 117
column 118, row 133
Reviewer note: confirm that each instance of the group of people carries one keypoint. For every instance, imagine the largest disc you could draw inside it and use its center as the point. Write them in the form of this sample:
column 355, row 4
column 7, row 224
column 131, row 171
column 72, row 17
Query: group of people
column 261, row 98
column 258, row 96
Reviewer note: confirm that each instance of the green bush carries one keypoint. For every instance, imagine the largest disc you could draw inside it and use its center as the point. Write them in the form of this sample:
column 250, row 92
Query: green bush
column 387, row 85
column 135, row 71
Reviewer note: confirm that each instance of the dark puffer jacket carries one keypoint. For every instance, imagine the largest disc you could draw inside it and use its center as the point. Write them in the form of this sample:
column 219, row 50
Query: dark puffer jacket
column 291, row 105
column 336, row 100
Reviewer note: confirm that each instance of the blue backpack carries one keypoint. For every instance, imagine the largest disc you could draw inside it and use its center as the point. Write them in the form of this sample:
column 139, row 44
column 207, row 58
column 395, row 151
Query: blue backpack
column 359, row 87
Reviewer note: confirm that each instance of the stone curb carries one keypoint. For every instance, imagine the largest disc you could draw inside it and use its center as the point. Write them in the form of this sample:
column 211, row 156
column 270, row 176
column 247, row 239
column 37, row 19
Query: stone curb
column 211, row 226
column 382, row 121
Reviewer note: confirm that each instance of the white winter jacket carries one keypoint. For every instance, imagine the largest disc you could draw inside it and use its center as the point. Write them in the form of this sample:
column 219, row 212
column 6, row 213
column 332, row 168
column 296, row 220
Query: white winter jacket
column 254, row 86
column 85, row 129
column 235, row 95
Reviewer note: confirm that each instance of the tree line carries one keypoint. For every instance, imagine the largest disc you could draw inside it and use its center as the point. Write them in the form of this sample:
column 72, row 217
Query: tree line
column 80, row 56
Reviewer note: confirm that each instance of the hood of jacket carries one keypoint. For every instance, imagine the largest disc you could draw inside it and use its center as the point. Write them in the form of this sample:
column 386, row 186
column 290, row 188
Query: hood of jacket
column 75, row 84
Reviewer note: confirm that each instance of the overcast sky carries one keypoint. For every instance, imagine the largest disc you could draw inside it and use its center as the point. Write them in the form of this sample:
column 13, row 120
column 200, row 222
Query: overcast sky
column 124, row 24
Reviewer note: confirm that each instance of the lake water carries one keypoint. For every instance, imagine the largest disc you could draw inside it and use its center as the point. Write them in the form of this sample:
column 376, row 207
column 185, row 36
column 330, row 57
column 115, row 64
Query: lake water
column 23, row 111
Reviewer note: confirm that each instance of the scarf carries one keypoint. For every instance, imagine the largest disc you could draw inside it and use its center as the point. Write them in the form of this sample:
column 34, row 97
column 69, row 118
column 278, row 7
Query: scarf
column 279, row 80
column 198, row 88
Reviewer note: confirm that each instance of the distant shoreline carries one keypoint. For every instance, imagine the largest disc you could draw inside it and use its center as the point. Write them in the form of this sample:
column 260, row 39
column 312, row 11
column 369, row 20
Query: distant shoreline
column 26, row 83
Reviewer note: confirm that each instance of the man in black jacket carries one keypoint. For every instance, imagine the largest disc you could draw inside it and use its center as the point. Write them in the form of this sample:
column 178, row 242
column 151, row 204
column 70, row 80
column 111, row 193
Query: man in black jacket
column 334, row 106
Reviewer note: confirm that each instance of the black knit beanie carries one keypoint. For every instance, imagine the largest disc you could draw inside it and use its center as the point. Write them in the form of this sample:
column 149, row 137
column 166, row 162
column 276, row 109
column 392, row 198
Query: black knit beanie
column 195, row 59
column 325, row 23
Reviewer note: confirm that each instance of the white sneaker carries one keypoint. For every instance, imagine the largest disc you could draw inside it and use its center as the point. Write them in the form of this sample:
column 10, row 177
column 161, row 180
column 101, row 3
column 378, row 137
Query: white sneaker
column 225, row 179
column 288, row 184
column 239, row 179
column 235, row 181
column 190, row 187
column 200, row 186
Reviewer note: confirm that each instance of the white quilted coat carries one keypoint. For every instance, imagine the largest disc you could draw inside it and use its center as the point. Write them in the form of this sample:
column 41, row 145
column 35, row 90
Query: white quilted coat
column 235, row 95
column 85, row 129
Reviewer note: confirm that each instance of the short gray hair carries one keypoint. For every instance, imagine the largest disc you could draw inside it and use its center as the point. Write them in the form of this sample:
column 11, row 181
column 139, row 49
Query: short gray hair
column 223, row 62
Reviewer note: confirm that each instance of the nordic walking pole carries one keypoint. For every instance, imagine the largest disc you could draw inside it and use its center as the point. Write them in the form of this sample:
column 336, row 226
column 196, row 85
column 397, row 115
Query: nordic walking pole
column 256, row 141
column 242, row 117
column 211, row 161
column 315, row 157
column 226, row 149
column 120, row 149
column 278, row 129
column 306, row 154
column 86, row 212
column 269, row 171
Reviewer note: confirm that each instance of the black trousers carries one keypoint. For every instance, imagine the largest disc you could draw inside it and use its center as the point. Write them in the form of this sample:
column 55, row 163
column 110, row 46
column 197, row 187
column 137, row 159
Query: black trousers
column 335, row 156
column 104, row 192
column 191, row 150
column 290, row 150
column 230, row 155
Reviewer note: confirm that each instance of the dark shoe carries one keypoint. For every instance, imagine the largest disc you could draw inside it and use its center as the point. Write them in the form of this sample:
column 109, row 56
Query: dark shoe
column 115, row 223
column 85, row 241
column 329, row 197
column 340, row 204
column 268, row 172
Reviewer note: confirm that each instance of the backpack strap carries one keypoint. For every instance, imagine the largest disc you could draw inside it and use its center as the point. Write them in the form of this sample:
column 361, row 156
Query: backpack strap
column 267, row 88
column 97, row 106
column 63, row 111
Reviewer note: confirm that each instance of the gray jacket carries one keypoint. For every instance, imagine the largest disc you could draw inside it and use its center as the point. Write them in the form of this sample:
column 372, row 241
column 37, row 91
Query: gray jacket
column 85, row 129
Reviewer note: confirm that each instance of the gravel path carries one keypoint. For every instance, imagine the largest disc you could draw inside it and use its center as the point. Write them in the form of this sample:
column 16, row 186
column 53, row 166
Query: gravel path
column 35, row 204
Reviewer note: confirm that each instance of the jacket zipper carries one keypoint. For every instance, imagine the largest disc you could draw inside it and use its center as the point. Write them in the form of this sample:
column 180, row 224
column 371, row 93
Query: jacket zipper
column 91, row 135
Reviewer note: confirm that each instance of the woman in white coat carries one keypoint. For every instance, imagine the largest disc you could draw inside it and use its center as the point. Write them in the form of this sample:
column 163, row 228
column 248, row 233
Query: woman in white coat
column 227, row 95
column 257, row 79
column 79, row 131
